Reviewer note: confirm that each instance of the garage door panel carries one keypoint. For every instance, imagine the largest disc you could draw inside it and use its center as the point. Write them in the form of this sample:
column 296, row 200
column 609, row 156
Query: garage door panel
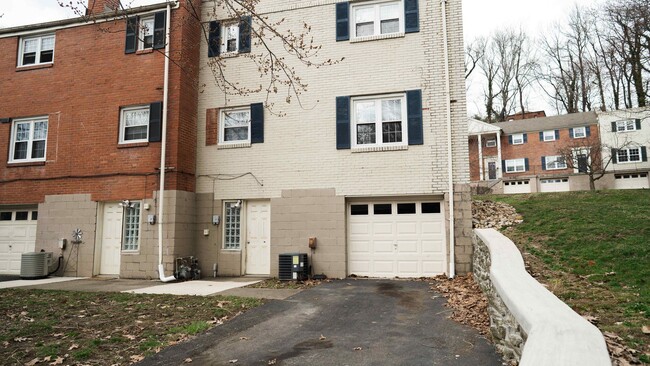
column 384, row 267
column 359, row 266
column 407, row 228
column 407, row 246
column 16, row 237
column 432, row 227
column 359, row 228
column 408, row 268
column 383, row 228
column 383, row 246
column 360, row 246
column 431, row 268
column 432, row 246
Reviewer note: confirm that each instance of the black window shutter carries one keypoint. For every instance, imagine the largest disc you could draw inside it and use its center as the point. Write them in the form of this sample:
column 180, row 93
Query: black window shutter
column 342, row 122
column 638, row 124
column 510, row 140
column 541, row 136
column 614, row 156
column 245, row 24
column 155, row 122
column 214, row 43
column 503, row 166
column 570, row 132
column 644, row 154
column 527, row 166
column 525, row 138
column 131, row 35
column 257, row 123
column 613, row 126
column 557, row 134
column 587, row 131
column 159, row 29
column 414, row 116
column 543, row 162
column 411, row 16
column 5, row 120
column 342, row 21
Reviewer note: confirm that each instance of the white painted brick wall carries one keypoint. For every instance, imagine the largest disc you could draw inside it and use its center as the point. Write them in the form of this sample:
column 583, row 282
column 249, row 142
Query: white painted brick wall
column 299, row 149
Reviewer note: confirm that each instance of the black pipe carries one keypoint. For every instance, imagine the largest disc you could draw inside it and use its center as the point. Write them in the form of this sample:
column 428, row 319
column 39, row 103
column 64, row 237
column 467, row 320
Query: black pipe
column 57, row 266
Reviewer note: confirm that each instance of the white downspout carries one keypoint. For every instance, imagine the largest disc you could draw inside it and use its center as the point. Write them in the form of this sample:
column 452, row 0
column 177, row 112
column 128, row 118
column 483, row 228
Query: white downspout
column 163, row 152
column 452, row 232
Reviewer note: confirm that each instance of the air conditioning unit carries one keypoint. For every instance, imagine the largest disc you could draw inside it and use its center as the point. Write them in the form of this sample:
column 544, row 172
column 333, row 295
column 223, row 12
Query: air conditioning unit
column 35, row 265
column 293, row 267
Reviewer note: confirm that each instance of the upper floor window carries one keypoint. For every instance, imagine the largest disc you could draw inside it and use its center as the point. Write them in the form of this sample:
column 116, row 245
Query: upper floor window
column 491, row 143
column 626, row 125
column 134, row 124
column 230, row 39
column 548, row 135
column 629, row 155
column 517, row 139
column 377, row 18
column 579, row 132
column 379, row 121
column 28, row 140
column 36, row 50
column 145, row 33
column 235, row 126
column 554, row 162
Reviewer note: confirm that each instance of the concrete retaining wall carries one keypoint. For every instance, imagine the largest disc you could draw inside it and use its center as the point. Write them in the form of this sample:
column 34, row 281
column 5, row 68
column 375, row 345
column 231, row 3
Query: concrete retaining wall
column 528, row 322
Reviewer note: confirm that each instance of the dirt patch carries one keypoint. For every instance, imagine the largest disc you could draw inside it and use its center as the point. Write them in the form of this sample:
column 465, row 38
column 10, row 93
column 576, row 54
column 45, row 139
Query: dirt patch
column 468, row 302
column 274, row 283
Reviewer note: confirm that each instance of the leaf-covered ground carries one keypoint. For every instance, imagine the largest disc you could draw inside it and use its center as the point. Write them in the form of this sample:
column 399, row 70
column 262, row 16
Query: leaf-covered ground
column 39, row 327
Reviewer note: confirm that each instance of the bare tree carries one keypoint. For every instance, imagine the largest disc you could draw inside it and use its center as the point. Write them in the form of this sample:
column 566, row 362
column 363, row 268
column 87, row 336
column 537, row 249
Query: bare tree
column 586, row 156
column 474, row 52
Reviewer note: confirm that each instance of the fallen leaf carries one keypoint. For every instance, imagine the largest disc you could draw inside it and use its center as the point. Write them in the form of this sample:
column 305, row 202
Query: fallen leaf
column 20, row 339
column 58, row 334
column 5, row 343
column 47, row 359
column 358, row 348
column 74, row 346
column 645, row 329
column 129, row 336
column 322, row 338
column 233, row 361
column 137, row 358
column 58, row 361
column 272, row 362
column 188, row 360
column 33, row 362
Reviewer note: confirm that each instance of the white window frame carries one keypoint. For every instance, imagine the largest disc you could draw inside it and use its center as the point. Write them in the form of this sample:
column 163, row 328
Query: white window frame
column 224, row 39
column 378, row 122
column 558, row 162
column 583, row 133
column 517, row 138
column 222, row 126
column 626, row 125
column 376, row 6
column 123, row 126
column 37, row 60
column 30, row 141
column 548, row 135
column 131, row 231
column 491, row 143
column 628, row 155
column 144, row 29
column 227, row 222
column 514, row 165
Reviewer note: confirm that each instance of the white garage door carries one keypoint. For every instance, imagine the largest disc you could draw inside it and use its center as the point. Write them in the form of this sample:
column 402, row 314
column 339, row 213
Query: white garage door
column 396, row 239
column 631, row 181
column 17, row 236
column 554, row 185
column 516, row 186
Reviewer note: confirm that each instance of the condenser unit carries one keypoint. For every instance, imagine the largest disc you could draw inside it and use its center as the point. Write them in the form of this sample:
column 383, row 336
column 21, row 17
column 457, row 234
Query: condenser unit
column 293, row 267
column 35, row 265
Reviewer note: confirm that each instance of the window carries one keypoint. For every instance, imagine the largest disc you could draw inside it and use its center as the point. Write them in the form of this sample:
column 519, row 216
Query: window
column 134, row 124
column 491, row 143
column 230, row 39
column 377, row 18
column 232, row 225
column 405, row 208
column 34, row 215
column 28, row 140
column 549, row 135
column 430, row 207
column 357, row 210
column 630, row 155
column 517, row 139
column 6, row 216
column 383, row 209
column 379, row 121
column 515, row 165
column 235, row 126
column 145, row 33
column 22, row 215
column 36, row 50
column 131, row 237
column 579, row 132
column 627, row 125
column 555, row 162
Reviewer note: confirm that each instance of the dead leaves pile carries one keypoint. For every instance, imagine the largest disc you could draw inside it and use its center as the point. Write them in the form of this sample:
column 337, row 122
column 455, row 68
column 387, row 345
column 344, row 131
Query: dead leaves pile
column 274, row 283
column 468, row 302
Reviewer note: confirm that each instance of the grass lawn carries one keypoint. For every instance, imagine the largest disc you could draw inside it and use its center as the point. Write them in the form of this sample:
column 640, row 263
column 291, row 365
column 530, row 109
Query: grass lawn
column 592, row 250
column 83, row 328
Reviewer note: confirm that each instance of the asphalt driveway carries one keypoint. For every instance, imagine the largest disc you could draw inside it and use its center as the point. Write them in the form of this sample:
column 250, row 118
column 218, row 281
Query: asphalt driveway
column 347, row 322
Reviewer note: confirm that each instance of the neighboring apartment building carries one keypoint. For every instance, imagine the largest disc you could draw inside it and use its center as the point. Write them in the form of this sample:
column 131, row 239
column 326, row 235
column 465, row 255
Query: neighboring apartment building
column 81, row 125
column 361, row 164
column 523, row 156
column 625, row 135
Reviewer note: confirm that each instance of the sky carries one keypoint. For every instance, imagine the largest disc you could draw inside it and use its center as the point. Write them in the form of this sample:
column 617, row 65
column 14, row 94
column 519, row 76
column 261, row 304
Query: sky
column 480, row 18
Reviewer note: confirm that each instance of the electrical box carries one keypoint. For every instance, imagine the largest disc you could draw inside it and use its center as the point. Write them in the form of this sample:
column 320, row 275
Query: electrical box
column 312, row 242
column 216, row 219
column 206, row 232
column 62, row 243
column 146, row 206
column 151, row 219
column 293, row 266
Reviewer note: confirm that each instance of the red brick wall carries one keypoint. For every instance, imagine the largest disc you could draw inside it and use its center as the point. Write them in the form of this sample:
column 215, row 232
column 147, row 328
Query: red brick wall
column 82, row 93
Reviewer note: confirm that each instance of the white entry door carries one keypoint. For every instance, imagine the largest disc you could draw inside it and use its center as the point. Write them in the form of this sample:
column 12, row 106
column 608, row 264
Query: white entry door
column 258, row 238
column 111, row 243
column 17, row 236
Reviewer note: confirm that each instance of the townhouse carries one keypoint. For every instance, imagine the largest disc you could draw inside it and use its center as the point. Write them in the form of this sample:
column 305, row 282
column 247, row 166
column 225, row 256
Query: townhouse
column 366, row 173
column 92, row 115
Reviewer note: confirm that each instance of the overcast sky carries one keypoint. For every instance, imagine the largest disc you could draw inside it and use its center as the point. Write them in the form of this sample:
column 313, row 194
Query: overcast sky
column 481, row 17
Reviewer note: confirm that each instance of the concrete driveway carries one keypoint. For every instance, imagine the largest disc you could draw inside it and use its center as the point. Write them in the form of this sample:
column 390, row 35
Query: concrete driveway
column 348, row 322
